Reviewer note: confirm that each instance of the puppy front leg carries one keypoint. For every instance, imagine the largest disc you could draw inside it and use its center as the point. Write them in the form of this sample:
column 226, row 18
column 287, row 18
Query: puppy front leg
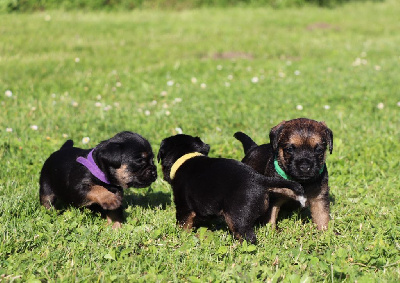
column 103, row 197
column 116, row 217
column 186, row 220
column 319, row 208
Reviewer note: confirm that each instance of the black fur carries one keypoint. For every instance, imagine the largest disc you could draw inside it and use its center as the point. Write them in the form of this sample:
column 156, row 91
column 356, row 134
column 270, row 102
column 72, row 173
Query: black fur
column 303, row 162
column 205, row 187
column 63, row 178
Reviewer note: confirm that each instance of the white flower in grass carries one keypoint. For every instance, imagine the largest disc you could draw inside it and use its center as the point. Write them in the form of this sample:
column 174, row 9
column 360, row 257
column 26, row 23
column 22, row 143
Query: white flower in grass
column 163, row 93
column 85, row 140
column 254, row 80
column 178, row 100
column 8, row 93
column 327, row 107
column 281, row 74
column 33, row 108
column 288, row 63
column 74, row 104
column 116, row 104
column 53, row 95
column 219, row 67
column 380, row 105
column 218, row 129
column 230, row 77
column 153, row 103
column 147, row 112
column 203, row 85
column 64, row 136
column 98, row 97
column 34, row 127
column 167, row 113
column 107, row 108
column 227, row 84
column 299, row 107
column 98, row 104
column 77, row 60
column 297, row 73
column 165, row 106
column 170, row 83
column 9, row 130
column 378, row 68
column 118, row 84
column 398, row 103
column 193, row 80
column 179, row 130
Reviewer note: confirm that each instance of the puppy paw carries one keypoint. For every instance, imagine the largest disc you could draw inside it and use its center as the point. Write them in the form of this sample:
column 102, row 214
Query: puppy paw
column 111, row 202
column 302, row 200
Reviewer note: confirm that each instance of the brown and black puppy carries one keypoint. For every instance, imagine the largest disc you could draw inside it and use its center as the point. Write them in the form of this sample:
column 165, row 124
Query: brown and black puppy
column 86, row 177
column 297, row 152
column 205, row 187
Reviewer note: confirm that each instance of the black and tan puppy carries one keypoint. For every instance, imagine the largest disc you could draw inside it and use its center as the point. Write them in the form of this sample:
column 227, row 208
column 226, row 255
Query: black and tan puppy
column 86, row 177
column 205, row 187
column 297, row 152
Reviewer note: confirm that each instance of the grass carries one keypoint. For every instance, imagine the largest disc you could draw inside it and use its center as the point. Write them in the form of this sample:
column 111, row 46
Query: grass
column 209, row 72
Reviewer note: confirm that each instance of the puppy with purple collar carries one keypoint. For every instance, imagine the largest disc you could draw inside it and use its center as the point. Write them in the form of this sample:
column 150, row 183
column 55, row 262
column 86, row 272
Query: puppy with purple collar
column 96, row 177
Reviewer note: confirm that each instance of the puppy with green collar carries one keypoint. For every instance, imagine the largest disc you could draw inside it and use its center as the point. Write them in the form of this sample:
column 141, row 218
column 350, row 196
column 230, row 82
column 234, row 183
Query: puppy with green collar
column 206, row 187
column 297, row 152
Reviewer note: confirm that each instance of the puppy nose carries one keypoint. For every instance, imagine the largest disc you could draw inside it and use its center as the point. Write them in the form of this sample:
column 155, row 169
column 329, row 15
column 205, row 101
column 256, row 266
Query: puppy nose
column 305, row 165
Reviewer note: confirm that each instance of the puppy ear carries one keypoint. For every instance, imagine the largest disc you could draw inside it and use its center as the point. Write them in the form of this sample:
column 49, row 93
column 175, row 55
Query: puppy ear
column 274, row 135
column 329, row 136
column 110, row 155
column 160, row 152
column 204, row 148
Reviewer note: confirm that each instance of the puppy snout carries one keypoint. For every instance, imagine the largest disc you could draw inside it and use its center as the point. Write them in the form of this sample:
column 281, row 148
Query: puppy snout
column 305, row 165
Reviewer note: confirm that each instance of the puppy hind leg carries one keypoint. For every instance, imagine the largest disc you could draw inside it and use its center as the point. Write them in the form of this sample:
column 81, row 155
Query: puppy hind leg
column 46, row 195
column 186, row 219
column 240, row 232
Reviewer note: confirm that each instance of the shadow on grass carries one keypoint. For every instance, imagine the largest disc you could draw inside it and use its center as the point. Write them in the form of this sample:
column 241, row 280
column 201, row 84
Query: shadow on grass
column 149, row 200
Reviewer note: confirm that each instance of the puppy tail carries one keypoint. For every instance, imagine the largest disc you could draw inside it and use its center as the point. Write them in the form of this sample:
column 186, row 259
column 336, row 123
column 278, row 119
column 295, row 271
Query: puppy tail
column 246, row 141
column 67, row 144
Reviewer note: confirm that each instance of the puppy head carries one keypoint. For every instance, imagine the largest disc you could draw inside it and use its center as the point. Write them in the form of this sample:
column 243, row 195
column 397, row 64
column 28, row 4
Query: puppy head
column 172, row 148
column 300, row 147
column 127, row 160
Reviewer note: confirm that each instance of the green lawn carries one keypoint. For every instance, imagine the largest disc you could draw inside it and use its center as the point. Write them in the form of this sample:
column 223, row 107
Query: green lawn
column 207, row 72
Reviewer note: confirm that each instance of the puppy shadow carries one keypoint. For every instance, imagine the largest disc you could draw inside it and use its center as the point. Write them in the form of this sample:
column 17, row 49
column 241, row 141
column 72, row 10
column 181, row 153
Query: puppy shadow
column 150, row 199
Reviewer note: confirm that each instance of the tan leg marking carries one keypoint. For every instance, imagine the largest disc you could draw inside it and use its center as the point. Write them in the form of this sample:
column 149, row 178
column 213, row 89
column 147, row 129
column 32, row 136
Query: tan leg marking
column 188, row 224
column 320, row 213
column 231, row 227
column 47, row 200
column 106, row 199
column 113, row 216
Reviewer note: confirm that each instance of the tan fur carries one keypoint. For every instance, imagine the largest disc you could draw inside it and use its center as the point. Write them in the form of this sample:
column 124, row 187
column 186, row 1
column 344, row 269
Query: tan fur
column 188, row 224
column 231, row 227
column 123, row 176
column 106, row 199
column 296, row 140
column 113, row 216
column 47, row 200
column 319, row 213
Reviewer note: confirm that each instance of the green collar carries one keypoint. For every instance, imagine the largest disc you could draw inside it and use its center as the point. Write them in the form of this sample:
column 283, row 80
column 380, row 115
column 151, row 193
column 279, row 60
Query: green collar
column 283, row 174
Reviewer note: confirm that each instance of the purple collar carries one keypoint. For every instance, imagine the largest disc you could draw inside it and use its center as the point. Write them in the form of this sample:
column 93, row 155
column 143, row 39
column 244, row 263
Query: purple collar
column 92, row 166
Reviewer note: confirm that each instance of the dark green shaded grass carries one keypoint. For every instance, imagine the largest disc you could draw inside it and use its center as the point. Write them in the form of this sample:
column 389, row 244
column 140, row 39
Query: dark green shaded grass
column 300, row 57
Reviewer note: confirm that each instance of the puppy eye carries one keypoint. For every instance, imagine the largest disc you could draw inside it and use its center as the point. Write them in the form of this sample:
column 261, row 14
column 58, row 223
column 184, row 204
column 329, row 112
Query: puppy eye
column 319, row 149
column 289, row 149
